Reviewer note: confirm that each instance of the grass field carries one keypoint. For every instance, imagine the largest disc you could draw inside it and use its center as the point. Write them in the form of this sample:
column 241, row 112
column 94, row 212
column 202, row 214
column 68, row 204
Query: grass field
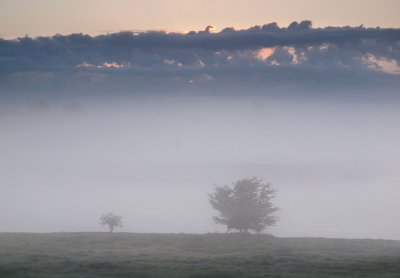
column 183, row 255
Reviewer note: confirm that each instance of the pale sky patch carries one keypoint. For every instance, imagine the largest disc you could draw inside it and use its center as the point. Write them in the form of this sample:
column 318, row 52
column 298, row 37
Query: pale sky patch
column 49, row 17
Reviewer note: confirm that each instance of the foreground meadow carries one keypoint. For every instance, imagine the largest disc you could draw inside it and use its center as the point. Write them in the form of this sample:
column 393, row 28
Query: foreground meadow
column 108, row 255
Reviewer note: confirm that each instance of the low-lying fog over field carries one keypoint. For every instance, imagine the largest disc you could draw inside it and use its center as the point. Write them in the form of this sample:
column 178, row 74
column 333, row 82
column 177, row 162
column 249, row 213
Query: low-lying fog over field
column 153, row 159
column 146, row 123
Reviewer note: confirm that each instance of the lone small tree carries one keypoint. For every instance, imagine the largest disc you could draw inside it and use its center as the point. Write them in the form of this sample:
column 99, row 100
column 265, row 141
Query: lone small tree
column 244, row 206
column 111, row 220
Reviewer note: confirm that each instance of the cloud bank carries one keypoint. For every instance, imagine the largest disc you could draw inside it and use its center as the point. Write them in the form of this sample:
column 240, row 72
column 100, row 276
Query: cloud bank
column 261, row 56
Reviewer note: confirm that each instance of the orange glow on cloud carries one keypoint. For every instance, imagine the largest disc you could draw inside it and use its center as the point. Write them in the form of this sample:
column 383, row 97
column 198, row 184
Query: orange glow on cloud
column 385, row 65
column 264, row 53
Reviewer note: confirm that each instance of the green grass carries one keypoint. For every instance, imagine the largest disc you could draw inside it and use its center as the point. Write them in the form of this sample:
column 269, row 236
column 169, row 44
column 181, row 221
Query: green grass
column 123, row 255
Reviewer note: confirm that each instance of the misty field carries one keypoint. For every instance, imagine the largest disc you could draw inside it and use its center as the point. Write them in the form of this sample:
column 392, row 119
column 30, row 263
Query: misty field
column 185, row 255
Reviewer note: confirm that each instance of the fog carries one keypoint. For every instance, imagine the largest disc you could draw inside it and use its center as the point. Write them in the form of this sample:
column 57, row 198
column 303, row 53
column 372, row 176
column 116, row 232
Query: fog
column 334, row 163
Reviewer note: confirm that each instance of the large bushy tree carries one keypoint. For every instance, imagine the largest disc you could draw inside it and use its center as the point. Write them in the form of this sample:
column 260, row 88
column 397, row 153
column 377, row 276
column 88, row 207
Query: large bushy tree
column 245, row 205
column 111, row 220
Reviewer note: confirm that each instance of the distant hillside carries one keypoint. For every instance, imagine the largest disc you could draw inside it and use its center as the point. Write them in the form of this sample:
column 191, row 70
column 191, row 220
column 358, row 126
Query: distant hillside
column 186, row 255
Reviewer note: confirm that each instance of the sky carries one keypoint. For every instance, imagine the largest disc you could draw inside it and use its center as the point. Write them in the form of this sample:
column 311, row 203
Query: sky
column 139, row 108
column 49, row 17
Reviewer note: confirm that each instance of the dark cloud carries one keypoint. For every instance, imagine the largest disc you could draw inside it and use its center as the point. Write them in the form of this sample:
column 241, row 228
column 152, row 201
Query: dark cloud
column 255, row 56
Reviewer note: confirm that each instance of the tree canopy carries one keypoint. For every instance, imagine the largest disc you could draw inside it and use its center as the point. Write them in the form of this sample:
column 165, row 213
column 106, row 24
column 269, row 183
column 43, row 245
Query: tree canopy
column 111, row 220
column 245, row 205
